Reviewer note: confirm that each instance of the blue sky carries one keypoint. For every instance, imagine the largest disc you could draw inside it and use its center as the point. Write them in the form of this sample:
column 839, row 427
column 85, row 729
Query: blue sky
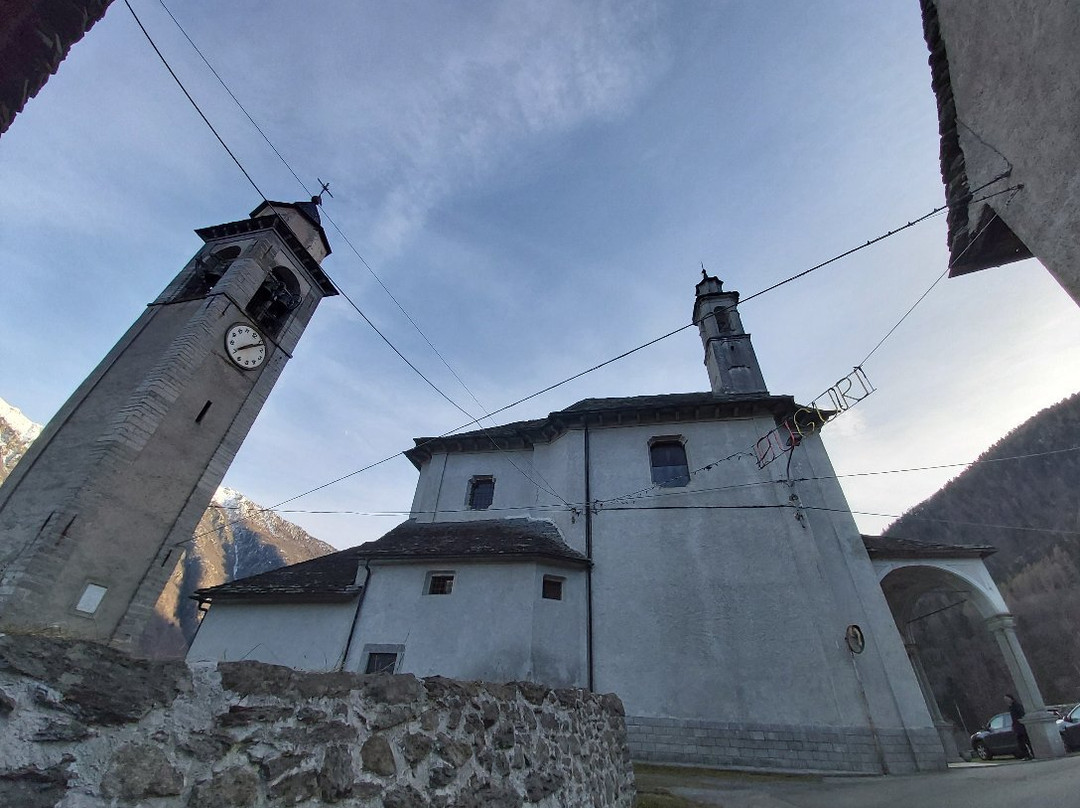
column 537, row 184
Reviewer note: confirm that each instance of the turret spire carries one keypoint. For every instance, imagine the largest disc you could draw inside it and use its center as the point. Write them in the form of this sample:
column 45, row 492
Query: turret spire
column 729, row 357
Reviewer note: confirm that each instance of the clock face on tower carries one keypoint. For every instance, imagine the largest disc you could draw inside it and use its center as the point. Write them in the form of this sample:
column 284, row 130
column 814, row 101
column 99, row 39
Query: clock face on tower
column 245, row 346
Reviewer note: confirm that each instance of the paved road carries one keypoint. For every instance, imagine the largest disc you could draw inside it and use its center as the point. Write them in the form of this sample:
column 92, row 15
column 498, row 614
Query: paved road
column 1008, row 784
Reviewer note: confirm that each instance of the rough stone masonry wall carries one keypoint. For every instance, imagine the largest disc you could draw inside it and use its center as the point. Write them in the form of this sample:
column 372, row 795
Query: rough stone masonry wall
column 82, row 726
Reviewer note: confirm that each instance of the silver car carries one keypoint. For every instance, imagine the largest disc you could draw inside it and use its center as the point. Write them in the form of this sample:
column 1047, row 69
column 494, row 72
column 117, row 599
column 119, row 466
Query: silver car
column 1069, row 726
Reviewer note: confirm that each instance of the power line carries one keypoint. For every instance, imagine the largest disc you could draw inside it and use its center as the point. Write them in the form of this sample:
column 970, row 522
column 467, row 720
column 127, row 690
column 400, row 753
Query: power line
column 643, row 494
column 350, row 301
column 881, row 342
column 556, row 385
column 715, row 507
column 221, row 81
column 686, row 493
column 325, row 215
column 180, row 84
column 549, row 490
column 340, row 291
column 803, row 507
column 939, row 278
column 547, row 487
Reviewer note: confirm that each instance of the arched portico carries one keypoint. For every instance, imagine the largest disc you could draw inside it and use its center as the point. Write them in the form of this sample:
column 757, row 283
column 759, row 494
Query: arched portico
column 907, row 570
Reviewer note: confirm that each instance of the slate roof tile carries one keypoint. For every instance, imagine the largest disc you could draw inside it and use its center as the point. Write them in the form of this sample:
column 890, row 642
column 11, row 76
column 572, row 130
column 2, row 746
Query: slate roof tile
column 334, row 576
column 891, row 547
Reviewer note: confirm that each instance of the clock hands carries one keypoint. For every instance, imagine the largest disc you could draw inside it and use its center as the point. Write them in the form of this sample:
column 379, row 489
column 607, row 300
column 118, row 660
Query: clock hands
column 252, row 345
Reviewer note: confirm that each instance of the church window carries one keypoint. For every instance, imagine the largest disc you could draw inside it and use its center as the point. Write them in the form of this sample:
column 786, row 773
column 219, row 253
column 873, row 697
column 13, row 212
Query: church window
column 668, row 459
column 202, row 413
column 91, row 598
column 439, row 583
column 481, row 493
column 381, row 663
column 275, row 300
column 552, row 587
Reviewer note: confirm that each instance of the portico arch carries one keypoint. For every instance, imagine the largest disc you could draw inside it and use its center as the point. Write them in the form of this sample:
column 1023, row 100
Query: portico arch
column 908, row 570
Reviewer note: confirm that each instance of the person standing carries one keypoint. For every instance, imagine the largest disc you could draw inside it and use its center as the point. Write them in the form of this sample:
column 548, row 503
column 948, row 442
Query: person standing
column 1023, row 742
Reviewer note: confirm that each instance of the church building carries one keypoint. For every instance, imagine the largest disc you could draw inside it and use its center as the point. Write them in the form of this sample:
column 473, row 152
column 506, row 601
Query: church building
column 637, row 545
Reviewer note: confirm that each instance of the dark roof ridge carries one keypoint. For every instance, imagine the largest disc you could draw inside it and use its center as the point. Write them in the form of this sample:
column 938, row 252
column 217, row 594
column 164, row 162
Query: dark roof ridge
column 334, row 576
column 660, row 408
column 895, row 547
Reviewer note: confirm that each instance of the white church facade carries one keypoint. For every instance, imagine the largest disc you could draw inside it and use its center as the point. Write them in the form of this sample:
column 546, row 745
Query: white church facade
column 629, row 545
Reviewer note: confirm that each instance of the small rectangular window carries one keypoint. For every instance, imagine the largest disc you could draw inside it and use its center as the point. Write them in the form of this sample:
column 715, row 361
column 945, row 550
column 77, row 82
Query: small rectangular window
column 440, row 583
column 668, row 461
column 381, row 663
column 91, row 599
column 552, row 587
column 481, row 493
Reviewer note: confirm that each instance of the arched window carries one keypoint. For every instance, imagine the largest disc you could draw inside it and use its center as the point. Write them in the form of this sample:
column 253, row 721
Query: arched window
column 275, row 300
column 668, row 460
column 208, row 271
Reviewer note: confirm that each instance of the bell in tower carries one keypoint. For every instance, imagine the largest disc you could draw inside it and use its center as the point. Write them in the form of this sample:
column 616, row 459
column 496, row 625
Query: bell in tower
column 95, row 516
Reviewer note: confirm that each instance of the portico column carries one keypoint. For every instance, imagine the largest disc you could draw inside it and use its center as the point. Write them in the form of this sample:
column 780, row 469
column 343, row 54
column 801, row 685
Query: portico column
column 944, row 727
column 1041, row 724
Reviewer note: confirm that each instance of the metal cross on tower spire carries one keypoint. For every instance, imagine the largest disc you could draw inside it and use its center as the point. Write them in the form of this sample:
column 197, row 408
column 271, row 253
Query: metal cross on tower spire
column 317, row 199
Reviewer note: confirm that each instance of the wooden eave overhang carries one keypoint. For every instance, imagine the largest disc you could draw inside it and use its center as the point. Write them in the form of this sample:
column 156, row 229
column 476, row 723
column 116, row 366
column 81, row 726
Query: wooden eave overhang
column 277, row 596
column 991, row 243
column 599, row 413
column 278, row 225
column 554, row 559
column 892, row 548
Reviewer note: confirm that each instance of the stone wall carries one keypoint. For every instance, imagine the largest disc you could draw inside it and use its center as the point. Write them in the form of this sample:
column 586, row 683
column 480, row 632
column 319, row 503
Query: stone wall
column 82, row 726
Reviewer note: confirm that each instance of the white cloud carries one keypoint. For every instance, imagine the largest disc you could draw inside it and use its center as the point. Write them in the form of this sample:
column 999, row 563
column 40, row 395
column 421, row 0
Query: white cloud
column 465, row 105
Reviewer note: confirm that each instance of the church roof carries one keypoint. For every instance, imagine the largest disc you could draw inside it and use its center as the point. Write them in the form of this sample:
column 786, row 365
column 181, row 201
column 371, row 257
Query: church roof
column 483, row 537
column 891, row 547
column 624, row 411
column 327, row 578
column 334, row 576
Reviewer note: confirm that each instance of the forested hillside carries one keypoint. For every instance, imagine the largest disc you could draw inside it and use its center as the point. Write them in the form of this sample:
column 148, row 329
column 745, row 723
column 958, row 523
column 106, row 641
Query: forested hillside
column 1021, row 497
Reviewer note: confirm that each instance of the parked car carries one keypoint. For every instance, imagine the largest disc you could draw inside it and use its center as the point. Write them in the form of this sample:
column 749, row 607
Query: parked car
column 996, row 738
column 1069, row 727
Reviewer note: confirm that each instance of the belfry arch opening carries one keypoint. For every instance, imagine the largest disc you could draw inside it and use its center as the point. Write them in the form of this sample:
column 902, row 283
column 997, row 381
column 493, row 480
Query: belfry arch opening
column 209, row 269
column 279, row 295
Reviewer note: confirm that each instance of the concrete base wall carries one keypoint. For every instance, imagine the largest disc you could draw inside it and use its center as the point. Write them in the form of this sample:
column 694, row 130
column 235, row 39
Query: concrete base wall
column 783, row 747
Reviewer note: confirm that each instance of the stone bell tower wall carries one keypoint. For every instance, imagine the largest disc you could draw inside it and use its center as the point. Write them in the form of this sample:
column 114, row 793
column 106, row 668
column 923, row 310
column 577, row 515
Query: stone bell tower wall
column 110, row 493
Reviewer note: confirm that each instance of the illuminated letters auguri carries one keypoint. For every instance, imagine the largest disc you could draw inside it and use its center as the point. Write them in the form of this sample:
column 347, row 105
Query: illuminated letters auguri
column 842, row 396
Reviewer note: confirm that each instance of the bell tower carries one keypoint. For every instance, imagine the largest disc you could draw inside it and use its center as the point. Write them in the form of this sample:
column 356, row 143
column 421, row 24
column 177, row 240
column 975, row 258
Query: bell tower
column 729, row 357
column 97, row 514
